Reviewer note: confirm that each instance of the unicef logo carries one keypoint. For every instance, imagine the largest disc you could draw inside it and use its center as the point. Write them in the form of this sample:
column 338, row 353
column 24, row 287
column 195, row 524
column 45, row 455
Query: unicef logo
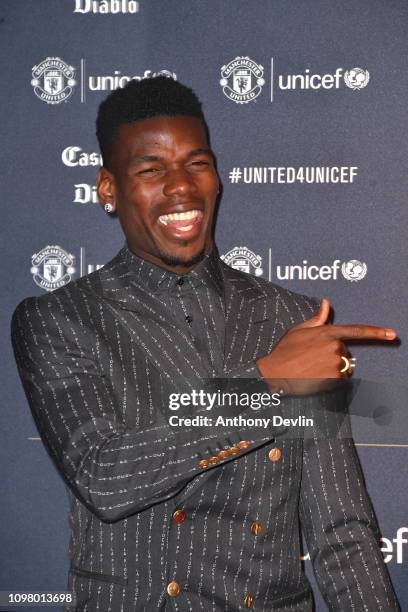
column 354, row 270
column 53, row 80
column 242, row 80
column 243, row 259
column 52, row 267
column 356, row 78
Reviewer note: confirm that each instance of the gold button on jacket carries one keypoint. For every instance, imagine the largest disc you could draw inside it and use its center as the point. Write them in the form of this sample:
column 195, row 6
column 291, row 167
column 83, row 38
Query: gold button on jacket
column 248, row 600
column 179, row 516
column 213, row 460
column 243, row 444
column 275, row 454
column 256, row 527
column 173, row 588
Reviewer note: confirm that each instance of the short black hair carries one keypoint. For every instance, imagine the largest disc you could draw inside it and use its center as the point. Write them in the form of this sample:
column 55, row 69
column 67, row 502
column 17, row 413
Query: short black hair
column 139, row 100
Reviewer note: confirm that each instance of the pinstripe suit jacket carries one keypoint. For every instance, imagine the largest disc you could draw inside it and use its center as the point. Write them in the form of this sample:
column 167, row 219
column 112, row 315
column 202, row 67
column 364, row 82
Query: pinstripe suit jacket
column 97, row 359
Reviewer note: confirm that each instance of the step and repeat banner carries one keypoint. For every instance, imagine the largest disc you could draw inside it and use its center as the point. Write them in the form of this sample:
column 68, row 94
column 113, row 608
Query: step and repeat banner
column 307, row 108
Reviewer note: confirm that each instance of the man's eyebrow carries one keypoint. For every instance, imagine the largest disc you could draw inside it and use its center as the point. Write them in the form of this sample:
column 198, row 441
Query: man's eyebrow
column 145, row 158
column 155, row 158
column 201, row 151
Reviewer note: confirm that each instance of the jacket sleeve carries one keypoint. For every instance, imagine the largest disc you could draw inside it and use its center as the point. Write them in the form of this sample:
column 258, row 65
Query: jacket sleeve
column 113, row 469
column 337, row 518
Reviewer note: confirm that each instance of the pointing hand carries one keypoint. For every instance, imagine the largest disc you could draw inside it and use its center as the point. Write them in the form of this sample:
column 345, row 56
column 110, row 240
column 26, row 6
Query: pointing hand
column 312, row 351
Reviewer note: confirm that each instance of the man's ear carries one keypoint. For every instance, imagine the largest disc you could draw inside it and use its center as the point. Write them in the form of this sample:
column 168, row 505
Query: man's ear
column 105, row 186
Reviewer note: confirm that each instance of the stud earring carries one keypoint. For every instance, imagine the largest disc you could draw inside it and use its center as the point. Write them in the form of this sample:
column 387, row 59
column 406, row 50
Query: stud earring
column 108, row 207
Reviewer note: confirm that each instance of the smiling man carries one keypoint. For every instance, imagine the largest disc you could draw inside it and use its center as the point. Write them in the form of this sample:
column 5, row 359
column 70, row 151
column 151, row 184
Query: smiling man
column 190, row 518
column 167, row 222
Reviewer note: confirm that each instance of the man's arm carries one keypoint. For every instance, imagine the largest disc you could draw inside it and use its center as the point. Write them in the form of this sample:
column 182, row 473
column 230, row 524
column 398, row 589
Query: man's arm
column 113, row 469
column 337, row 518
column 336, row 514
column 310, row 355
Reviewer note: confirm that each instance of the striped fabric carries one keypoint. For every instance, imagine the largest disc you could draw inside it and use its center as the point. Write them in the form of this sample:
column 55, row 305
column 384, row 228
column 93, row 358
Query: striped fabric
column 98, row 359
column 195, row 301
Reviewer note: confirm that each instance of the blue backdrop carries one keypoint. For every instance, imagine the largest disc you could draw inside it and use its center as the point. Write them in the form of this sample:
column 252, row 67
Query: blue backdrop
column 306, row 103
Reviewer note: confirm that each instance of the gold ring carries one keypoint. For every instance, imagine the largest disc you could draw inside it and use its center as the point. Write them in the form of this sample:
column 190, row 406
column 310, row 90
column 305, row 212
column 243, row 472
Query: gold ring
column 347, row 365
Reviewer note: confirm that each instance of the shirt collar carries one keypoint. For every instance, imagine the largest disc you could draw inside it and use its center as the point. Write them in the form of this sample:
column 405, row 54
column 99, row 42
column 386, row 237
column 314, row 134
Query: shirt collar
column 207, row 273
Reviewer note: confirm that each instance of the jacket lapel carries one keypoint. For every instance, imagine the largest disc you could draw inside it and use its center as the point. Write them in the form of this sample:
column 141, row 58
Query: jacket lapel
column 147, row 320
column 251, row 325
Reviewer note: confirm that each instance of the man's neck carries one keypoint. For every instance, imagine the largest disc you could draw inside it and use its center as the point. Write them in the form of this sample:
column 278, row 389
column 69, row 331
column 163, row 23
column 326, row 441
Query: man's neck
column 176, row 268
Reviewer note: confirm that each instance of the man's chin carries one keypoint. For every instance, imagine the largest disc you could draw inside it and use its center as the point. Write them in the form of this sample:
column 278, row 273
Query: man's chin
column 175, row 260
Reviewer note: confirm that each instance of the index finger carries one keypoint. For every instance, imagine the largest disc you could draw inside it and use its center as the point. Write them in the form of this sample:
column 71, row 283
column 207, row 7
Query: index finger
column 360, row 332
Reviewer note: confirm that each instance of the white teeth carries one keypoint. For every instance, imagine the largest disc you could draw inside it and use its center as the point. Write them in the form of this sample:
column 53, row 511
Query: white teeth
column 186, row 228
column 190, row 214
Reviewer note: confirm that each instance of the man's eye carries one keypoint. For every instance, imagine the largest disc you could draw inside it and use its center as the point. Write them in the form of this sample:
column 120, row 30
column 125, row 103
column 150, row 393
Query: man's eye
column 148, row 171
column 200, row 162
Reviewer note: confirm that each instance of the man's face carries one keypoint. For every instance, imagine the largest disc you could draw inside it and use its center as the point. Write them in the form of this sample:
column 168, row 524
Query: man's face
column 163, row 185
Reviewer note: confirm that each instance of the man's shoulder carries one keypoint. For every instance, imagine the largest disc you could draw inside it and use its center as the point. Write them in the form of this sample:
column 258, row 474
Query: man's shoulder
column 70, row 298
column 52, row 301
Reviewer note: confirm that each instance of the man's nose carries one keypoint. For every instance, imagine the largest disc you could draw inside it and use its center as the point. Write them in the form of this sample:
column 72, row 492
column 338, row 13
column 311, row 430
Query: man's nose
column 178, row 181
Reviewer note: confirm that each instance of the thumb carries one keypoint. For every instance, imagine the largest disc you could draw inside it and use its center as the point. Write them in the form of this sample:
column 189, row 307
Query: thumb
column 320, row 317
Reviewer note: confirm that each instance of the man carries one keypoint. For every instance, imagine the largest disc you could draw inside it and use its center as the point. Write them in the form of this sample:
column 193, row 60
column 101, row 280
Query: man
column 164, row 517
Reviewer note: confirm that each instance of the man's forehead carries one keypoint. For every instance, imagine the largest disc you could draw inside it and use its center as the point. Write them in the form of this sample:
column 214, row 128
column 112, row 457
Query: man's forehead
column 163, row 132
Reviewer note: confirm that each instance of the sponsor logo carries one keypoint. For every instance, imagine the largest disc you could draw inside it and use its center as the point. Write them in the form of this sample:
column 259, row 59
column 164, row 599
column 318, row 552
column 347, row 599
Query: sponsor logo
column 105, row 7
column 85, row 194
column 111, row 82
column 53, row 80
column 242, row 80
column 310, row 81
column 52, row 267
column 356, row 78
column 76, row 156
column 243, row 259
column 352, row 270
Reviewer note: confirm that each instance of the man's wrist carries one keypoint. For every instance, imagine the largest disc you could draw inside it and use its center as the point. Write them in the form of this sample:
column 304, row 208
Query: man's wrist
column 276, row 385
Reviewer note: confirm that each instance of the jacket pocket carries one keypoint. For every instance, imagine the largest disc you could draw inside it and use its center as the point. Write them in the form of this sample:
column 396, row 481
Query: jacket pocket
column 97, row 576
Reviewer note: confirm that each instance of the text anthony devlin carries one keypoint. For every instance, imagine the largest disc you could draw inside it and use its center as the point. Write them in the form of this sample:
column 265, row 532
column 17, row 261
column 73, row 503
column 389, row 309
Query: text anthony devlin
column 239, row 421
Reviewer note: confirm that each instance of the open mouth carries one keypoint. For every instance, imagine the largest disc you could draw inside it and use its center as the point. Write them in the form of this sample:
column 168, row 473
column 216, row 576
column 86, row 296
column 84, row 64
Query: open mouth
column 183, row 222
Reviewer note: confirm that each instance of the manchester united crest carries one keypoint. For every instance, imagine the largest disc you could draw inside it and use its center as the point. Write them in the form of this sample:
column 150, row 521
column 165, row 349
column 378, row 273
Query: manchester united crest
column 53, row 80
column 242, row 80
column 243, row 259
column 52, row 267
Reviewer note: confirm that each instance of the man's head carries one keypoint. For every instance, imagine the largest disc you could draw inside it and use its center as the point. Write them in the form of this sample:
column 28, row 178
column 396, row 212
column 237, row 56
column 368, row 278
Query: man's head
column 158, row 171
